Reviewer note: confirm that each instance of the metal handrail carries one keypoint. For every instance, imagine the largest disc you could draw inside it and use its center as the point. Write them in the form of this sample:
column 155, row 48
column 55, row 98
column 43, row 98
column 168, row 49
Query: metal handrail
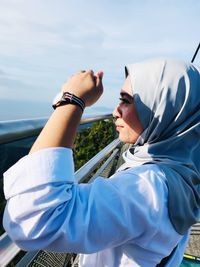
column 91, row 165
column 8, row 249
column 14, row 130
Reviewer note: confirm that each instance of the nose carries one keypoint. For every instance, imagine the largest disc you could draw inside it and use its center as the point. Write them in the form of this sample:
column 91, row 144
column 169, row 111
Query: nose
column 116, row 112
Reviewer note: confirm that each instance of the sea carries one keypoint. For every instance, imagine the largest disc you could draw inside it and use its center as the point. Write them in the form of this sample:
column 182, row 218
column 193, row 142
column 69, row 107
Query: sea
column 17, row 110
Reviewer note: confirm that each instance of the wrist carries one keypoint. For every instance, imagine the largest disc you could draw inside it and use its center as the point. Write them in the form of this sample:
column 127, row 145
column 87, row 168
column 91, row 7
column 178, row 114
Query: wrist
column 68, row 110
column 66, row 98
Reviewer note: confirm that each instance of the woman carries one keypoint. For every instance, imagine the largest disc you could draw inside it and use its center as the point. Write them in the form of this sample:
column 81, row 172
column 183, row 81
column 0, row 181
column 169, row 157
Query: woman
column 144, row 211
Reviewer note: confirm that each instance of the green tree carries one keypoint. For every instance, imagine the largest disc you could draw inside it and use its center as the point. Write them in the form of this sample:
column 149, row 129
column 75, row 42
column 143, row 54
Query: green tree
column 90, row 141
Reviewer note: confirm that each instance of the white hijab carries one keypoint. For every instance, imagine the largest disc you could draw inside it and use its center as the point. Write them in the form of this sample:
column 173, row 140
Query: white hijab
column 166, row 94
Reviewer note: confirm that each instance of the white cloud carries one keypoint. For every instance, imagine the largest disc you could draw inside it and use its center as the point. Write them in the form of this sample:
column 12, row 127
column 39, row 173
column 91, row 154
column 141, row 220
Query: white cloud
column 44, row 42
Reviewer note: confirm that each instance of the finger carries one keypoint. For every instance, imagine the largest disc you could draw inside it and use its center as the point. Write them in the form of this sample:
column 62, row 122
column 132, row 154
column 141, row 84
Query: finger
column 90, row 72
column 99, row 77
column 100, row 74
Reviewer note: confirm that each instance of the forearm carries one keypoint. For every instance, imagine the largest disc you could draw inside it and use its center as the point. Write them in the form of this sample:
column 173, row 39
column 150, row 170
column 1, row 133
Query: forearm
column 60, row 130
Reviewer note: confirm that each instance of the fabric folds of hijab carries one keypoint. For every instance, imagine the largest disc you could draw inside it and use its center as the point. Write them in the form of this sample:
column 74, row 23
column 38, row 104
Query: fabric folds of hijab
column 166, row 94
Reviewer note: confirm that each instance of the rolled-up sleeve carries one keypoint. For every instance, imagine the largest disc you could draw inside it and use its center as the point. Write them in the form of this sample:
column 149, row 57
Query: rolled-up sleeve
column 47, row 209
column 50, row 165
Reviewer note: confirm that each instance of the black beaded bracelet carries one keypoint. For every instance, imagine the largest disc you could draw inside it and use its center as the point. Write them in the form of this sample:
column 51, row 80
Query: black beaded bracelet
column 68, row 98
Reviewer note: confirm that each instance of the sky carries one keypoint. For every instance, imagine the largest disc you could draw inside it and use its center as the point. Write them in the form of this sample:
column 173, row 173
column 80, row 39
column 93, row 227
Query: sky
column 43, row 43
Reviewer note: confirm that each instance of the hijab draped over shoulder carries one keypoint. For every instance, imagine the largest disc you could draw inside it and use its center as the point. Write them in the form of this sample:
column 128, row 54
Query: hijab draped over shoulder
column 166, row 94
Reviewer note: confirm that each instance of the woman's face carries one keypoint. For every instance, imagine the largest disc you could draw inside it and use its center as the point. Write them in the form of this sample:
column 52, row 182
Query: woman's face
column 127, row 121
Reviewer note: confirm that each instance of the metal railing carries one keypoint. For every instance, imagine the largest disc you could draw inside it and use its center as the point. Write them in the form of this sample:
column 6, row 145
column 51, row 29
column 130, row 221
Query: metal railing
column 18, row 129
column 15, row 130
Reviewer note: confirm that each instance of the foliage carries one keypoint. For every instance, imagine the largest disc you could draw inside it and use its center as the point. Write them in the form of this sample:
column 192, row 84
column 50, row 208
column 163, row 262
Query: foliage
column 90, row 141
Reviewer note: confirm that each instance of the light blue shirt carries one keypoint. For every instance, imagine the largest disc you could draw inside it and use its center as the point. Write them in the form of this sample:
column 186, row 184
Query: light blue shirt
column 121, row 221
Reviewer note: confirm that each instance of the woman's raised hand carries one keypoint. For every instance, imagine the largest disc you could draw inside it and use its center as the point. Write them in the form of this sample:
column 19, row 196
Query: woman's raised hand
column 86, row 85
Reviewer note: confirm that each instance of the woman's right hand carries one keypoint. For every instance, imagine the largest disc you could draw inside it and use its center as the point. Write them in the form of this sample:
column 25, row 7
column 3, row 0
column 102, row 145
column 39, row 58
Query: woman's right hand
column 86, row 85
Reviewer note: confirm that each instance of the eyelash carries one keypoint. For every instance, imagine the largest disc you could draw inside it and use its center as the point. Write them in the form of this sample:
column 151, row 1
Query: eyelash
column 124, row 100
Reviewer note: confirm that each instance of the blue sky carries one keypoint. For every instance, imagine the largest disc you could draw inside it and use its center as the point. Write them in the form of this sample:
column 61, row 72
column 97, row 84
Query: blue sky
column 42, row 43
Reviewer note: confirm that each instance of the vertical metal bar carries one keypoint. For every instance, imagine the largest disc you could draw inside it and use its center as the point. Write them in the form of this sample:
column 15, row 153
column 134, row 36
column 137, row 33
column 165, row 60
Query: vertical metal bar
column 195, row 53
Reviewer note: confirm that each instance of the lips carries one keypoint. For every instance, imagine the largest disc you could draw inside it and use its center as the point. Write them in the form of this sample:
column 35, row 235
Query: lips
column 118, row 126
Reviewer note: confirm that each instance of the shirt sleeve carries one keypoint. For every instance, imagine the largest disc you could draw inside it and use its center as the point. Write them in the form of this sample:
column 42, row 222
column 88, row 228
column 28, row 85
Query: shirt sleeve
column 47, row 209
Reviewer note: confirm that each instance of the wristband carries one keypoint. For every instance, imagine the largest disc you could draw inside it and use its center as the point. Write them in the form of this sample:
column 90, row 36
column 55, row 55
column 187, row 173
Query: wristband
column 68, row 98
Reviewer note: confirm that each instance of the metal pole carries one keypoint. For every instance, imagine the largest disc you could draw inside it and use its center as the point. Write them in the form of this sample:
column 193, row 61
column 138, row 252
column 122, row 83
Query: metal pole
column 195, row 53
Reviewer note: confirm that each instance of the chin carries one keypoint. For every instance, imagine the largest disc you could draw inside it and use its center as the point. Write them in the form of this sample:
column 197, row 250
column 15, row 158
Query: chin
column 126, row 140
